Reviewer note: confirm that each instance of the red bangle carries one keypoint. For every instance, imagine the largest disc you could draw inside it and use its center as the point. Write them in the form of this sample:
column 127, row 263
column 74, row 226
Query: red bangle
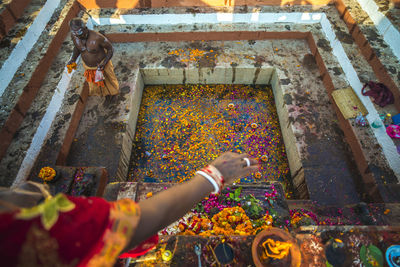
column 215, row 174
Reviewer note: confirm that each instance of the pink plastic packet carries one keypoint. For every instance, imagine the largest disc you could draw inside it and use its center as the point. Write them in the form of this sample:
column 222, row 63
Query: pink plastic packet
column 393, row 131
column 98, row 76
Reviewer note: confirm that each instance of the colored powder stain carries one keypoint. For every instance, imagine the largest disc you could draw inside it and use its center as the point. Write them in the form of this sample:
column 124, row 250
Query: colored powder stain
column 181, row 128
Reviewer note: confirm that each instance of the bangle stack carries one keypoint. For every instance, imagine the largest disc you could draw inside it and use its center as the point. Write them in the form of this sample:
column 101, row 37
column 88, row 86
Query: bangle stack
column 213, row 175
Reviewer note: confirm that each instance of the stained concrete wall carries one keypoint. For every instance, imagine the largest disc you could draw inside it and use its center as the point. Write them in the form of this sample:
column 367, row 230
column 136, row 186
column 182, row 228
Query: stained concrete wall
column 127, row 4
column 217, row 75
column 296, row 168
column 129, row 134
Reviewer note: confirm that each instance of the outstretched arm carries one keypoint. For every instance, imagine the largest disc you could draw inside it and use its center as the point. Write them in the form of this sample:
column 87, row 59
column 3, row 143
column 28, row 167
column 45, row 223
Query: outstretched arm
column 75, row 55
column 168, row 206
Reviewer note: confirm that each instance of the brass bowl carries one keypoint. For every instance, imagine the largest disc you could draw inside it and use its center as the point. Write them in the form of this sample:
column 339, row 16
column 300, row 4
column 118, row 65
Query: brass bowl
column 292, row 260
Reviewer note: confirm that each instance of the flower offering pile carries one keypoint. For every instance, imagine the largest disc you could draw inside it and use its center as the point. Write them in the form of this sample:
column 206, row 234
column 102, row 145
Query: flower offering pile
column 229, row 213
column 235, row 211
column 229, row 221
column 181, row 128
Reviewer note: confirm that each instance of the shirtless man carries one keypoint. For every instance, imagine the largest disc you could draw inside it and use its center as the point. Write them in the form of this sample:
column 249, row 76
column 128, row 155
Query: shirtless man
column 96, row 52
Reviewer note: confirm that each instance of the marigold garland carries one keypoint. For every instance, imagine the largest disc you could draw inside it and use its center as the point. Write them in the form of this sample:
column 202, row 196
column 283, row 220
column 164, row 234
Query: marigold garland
column 71, row 67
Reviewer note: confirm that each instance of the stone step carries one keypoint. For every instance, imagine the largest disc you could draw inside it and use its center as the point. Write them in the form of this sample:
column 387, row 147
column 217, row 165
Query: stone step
column 77, row 181
column 139, row 191
column 16, row 11
column 312, row 241
column 356, row 214
column 28, row 95
column 390, row 192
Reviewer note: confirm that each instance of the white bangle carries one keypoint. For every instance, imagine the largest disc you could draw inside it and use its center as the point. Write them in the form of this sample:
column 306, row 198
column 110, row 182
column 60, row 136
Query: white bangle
column 211, row 180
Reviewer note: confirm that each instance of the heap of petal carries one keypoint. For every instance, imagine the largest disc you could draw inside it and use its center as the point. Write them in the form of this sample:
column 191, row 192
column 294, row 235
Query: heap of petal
column 181, row 128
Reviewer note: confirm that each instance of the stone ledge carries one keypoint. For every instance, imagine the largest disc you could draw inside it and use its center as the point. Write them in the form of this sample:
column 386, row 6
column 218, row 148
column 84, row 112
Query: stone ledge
column 9, row 14
column 138, row 192
column 67, row 183
column 369, row 52
column 34, row 80
column 319, row 62
column 312, row 242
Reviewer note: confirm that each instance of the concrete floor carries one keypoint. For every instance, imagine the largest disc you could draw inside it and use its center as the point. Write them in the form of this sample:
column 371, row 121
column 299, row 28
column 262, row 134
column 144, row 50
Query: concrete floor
column 329, row 169
column 47, row 118
column 326, row 162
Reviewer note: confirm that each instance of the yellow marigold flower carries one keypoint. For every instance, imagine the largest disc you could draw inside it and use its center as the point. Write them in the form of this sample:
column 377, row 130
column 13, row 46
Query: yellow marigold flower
column 47, row 174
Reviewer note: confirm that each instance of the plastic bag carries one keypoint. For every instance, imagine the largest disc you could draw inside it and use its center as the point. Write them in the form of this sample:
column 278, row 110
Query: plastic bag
column 393, row 131
column 98, row 76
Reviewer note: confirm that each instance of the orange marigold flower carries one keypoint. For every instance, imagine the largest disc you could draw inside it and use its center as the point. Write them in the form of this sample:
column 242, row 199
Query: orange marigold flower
column 386, row 211
column 264, row 158
column 71, row 67
column 254, row 125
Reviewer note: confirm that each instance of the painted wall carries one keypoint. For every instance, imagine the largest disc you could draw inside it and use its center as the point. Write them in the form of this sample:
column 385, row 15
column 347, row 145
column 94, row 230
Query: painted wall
column 90, row 4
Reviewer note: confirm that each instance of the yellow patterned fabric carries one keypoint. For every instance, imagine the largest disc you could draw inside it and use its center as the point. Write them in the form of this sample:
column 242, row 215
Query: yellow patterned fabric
column 67, row 231
column 124, row 218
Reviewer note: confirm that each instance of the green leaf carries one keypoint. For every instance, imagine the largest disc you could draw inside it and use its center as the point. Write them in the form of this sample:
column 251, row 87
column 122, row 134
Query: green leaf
column 376, row 254
column 328, row 264
column 50, row 214
column 371, row 256
column 273, row 212
column 363, row 254
column 30, row 213
column 199, row 208
column 238, row 191
column 64, row 204
column 231, row 195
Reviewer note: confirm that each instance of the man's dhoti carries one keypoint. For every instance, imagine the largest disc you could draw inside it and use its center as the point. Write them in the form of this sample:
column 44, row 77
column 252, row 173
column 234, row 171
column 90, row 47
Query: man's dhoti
column 109, row 86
